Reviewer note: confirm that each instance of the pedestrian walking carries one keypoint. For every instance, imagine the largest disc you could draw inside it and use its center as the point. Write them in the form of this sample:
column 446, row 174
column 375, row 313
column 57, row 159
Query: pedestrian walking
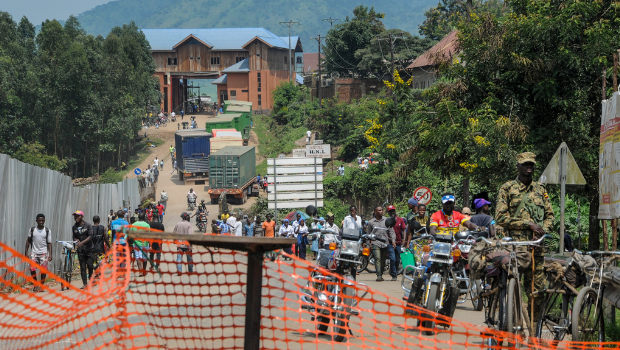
column 156, row 246
column 160, row 212
column 155, row 174
column 248, row 227
column 152, row 176
column 163, row 199
column 380, row 248
column 525, row 213
column 182, row 114
column 184, row 227
column 83, row 234
column 269, row 227
column 174, row 167
column 101, row 240
column 394, row 251
column 140, row 248
column 161, row 164
column 155, row 162
column 40, row 239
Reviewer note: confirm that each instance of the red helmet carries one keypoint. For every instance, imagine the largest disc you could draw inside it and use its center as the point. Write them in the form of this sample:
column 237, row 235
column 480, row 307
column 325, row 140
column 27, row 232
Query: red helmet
column 391, row 207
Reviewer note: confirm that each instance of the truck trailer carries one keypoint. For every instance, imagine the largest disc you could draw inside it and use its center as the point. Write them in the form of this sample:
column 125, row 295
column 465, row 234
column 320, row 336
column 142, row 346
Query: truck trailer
column 232, row 171
column 193, row 147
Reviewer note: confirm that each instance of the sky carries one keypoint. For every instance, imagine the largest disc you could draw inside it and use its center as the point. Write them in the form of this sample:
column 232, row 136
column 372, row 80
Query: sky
column 39, row 10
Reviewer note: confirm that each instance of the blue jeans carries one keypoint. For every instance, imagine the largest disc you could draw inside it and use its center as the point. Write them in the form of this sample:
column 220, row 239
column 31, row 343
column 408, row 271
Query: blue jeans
column 392, row 257
column 188, row 258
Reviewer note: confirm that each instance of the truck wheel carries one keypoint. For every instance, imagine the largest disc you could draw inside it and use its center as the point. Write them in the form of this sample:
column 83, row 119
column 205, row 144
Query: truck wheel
column 213, row 200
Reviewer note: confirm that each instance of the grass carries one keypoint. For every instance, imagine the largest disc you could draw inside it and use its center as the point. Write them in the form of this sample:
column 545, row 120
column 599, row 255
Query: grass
column 274, row 140
column 142, row 151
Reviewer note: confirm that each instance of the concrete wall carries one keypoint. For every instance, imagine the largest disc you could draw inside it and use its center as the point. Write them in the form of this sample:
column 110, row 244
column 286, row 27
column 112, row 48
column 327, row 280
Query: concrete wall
column 423, row 77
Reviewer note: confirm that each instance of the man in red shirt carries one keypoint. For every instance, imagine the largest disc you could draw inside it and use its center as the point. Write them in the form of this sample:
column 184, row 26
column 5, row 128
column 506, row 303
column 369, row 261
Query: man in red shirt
column 160, row 211
column 394, row 253
column 447, row 219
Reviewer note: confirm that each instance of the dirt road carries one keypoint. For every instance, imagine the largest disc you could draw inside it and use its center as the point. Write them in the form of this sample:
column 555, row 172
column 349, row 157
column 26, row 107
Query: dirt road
column 175, row 188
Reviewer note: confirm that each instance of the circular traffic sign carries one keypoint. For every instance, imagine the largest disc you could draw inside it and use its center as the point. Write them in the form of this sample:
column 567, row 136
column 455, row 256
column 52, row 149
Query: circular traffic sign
column 423, row 195
column 137, row 171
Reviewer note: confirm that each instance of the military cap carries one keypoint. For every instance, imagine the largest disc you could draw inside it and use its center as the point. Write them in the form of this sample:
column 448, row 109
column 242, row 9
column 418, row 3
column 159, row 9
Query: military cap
column 526, row 157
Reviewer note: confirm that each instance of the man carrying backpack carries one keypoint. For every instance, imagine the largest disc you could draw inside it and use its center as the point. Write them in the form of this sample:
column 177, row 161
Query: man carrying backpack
column 40, row 239
column 101, row 241
column 83, row 234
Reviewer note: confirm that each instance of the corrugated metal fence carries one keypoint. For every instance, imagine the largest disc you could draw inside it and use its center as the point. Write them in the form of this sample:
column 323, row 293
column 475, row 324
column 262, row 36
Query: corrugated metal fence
column 27, row 190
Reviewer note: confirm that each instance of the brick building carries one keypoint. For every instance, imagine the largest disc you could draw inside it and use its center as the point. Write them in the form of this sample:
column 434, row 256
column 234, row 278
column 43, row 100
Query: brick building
column 249, row 63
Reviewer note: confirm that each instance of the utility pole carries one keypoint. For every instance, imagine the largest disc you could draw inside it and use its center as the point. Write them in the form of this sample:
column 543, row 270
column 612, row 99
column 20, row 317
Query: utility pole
column 331, row 21
column 392, row 39
column 318, row 39
column 289, row 24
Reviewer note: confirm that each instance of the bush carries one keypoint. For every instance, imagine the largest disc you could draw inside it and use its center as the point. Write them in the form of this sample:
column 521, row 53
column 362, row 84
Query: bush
column 110, row 177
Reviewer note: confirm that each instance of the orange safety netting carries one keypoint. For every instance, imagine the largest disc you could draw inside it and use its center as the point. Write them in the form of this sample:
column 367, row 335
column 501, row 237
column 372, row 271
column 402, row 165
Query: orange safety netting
column 205, row 309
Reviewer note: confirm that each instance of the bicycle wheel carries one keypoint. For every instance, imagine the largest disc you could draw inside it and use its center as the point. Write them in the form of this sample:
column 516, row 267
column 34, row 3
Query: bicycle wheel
column 475, row 288
column 553, row 323
column 67, row 269
column 587, row 321
column 514, row 321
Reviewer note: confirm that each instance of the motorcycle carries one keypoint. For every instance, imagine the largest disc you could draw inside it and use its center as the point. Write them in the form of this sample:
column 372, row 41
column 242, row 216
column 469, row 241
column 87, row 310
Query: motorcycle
column 202, row 222
column 191, row 203
column 434, row 284
column 466, row 283
column 331, row 297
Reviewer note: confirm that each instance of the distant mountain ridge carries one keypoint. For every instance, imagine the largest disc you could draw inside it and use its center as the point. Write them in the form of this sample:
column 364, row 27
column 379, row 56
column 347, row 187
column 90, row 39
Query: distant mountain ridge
column 403, row 14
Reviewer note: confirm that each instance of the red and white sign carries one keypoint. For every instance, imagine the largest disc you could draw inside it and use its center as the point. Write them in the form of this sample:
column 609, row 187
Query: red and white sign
column 423, row 194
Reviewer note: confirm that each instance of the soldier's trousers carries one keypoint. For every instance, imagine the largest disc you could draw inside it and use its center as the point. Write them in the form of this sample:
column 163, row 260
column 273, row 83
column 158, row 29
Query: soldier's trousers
column 539, row 280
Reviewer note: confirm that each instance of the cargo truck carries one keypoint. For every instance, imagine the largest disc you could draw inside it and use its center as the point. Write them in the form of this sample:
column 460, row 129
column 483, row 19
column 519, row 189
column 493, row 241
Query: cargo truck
column 232, row 174
column 193, row 147
column 238, row 121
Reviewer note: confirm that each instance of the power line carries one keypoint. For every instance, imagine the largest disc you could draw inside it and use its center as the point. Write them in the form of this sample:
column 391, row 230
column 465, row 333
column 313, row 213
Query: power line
column 331, row 21
column 318, row 39
column 392, row 39
column 289, row 24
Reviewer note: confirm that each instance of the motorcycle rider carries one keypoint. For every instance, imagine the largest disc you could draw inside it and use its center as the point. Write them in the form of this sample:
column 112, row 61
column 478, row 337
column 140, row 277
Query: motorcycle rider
column 191, row 194
column 200, row 211
column 448, row 217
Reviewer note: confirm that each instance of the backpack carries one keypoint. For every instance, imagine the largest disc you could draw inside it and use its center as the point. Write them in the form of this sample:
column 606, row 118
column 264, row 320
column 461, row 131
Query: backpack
column 47, row 234
column 98, row 239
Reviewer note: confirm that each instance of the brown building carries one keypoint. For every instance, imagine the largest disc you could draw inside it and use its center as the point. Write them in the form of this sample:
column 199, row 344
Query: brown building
column 249, row 63
column 423, row 68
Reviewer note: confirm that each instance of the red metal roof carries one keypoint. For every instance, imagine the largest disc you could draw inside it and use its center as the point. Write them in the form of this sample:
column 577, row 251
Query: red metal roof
column 445, row 48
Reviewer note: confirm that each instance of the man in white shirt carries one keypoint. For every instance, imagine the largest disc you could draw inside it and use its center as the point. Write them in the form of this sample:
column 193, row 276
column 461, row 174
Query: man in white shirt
column 237, row 228
column 40, row 238
column 308, row 136
column 352, row 221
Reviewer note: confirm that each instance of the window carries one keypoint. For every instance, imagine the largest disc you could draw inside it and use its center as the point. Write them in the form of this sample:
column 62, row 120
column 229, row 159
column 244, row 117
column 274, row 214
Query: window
column 233, row 93
column 191, row 58
column 239, row 59
column 215, row 60
column 198, row 58
column 299, row 60
column 284, row 59
column 258, row 81
column 259, row 101
column 245, row 90
column 256, row 42
column 258, row 55
column 172, row 61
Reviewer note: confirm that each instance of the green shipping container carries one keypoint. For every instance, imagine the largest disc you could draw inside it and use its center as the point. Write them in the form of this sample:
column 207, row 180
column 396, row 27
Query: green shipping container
column 232, row 167
column 245, row 120
column 236, row 103
column 224, row 121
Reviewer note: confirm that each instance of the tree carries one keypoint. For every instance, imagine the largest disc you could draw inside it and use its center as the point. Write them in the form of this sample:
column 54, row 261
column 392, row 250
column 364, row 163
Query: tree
column 34, row 153
column 346, row 38
column 375, row 58
column 445, row 17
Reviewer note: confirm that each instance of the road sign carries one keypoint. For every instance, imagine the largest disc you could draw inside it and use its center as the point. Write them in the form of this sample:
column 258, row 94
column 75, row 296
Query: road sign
column 317, row 142
column 563, row 170
column 423, row 194
column 137, row 171
column 318, row 151
column 299, row 153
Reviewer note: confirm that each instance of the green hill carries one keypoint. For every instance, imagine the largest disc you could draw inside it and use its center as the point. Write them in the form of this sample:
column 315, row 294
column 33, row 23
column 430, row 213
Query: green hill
column 402, row 14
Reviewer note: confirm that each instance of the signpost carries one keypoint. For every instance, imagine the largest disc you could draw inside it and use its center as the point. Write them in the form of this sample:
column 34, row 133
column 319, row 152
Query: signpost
column 298, row 182
column 423, row 194
column 563, row 170
column 318, row 151
column 137, row 171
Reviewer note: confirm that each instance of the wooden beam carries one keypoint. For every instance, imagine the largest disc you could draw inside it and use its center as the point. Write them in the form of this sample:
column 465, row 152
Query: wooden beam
column 614, row 235
column 615, row 80
column 605, row 238
column 251, row 244
column 604, row 83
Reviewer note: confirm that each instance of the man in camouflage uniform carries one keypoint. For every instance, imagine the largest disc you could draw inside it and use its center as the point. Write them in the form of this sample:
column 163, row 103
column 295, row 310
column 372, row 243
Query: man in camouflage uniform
column 525, row 213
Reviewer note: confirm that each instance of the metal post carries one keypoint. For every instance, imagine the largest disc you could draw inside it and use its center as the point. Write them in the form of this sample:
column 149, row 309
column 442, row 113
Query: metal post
column 275, row 193
column 563, row 152
column 316, row 204
column 253, row 301
column 579, row 220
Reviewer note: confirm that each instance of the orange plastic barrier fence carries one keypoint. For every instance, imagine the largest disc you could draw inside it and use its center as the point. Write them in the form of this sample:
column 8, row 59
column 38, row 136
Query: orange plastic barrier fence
column 205, row 308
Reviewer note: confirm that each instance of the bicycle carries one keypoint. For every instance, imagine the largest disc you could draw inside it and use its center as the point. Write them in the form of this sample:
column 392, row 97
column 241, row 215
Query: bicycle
column 588, row 321
column 503, row 300
column 68, row 250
